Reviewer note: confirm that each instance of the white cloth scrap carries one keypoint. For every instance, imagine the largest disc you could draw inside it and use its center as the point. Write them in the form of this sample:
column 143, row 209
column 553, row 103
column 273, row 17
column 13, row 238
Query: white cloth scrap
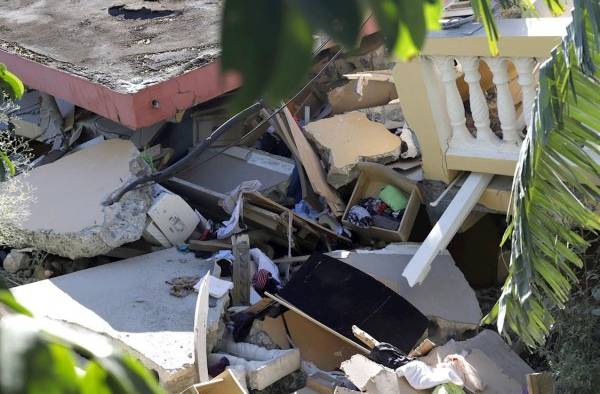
column 421, row 376
column 217, row 287
column 232, row 204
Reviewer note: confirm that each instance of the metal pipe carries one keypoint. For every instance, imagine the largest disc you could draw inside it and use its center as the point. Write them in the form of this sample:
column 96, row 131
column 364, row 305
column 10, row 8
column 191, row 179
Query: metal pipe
column 183, row 163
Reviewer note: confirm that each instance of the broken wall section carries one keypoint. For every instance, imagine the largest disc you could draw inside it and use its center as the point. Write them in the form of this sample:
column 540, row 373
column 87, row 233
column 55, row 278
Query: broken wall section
column 65, row 215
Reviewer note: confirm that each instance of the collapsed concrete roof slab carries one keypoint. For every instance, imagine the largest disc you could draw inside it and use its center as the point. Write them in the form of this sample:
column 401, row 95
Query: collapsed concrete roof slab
column 129, row 302
column 63, row 211
column 348, row 139
column 135, row 62
column 444, row 296
column 501, row 370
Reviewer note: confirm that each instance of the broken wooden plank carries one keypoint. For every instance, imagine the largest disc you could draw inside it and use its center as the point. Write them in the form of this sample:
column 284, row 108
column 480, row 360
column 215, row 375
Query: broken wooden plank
column 446, row 227
column 312, row 166
column 212, row 245
column 540, row 383
column 316, row 322
column 259, row 200
column 224, row 383
column 200, row 328
column 241, row 270
column 365, row 337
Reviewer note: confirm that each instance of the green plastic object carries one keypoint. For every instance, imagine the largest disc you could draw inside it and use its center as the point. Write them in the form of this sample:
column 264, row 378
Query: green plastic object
column 393, row 197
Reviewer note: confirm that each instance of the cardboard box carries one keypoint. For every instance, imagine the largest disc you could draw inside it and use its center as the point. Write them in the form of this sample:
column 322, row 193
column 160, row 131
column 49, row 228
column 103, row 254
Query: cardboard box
column 372, row 178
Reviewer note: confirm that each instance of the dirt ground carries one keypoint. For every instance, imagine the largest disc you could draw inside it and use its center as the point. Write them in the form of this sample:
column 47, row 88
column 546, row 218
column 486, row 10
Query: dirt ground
column 123, row 44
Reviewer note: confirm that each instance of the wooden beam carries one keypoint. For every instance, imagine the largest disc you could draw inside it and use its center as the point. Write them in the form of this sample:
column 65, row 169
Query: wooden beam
column 240, row 294
column 200, row 327
column 209, row 246
column 540, row 383
column 446, row 227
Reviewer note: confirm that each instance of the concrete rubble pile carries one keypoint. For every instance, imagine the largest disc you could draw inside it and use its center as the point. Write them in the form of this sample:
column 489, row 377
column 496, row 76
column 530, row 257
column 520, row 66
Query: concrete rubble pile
column 267, row 262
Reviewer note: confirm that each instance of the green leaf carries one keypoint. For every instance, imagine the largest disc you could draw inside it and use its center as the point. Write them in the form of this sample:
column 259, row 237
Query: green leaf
column 8, row 300
column 411, row 29
column 483, row 12
column 556, row 7
column 554, row 182
column 10, row 83
column 7, row 164
column 125, row 375
column 448, row 388
column 294, row 55
column 433, row 13
column 341, row 19
column 31, row 364
column 249, row 28
column 387, row 15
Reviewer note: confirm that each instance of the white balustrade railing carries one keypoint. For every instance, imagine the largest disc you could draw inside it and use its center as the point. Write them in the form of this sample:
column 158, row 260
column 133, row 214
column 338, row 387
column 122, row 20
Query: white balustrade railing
column 511, row 123
column 462, row 132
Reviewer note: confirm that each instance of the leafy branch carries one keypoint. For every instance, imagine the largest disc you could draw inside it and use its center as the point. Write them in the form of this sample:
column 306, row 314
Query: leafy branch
column 38, row 357
column 270, row 43
column 556, row 184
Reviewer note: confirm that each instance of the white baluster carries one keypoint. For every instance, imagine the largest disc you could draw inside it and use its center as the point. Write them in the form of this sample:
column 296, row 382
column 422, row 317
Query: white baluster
column 454, row 104
column 505, row 103
column 524, row 66
column 477, row 100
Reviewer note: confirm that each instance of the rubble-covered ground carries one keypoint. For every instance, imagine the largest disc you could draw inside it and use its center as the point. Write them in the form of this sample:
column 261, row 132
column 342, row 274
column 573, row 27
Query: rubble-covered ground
column 274, row 262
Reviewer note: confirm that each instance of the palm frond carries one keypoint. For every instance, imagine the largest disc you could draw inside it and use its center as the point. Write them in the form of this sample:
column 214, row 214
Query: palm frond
column 555, row 184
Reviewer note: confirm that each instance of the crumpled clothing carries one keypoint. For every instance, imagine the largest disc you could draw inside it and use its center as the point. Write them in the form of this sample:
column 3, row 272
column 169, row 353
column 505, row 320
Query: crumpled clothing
column 216, row 369
column 242, row 324
column 264, row 281
column 421, row 376
column 375, row 206
column 389, row 356
column 260, row 279
column 304, row 209
column 232, row 204
column 262, row 262
column 233, row 196
column 224, row 259
column 468, row 373
column 232, row 226
column 360, row 217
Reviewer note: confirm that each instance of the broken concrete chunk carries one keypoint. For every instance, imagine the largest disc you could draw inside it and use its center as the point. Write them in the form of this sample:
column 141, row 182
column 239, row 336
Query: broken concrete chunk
column 374, row 378
column 357, row 94
column 16, row 261
column 65, row 215
column 129, row 303
column 390, row 115
column 224, row 383
column 263, row 367
column 345, row 140
column 444, row 296
column 501, row 370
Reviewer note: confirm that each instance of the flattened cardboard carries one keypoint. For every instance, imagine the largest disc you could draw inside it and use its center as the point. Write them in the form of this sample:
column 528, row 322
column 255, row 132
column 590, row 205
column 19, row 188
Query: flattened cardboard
column 312, row 166
column 224, row 383
column 338, row 296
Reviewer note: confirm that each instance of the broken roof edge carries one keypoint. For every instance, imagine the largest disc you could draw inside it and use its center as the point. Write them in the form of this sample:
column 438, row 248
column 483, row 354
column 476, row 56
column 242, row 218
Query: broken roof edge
column 143, row 108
